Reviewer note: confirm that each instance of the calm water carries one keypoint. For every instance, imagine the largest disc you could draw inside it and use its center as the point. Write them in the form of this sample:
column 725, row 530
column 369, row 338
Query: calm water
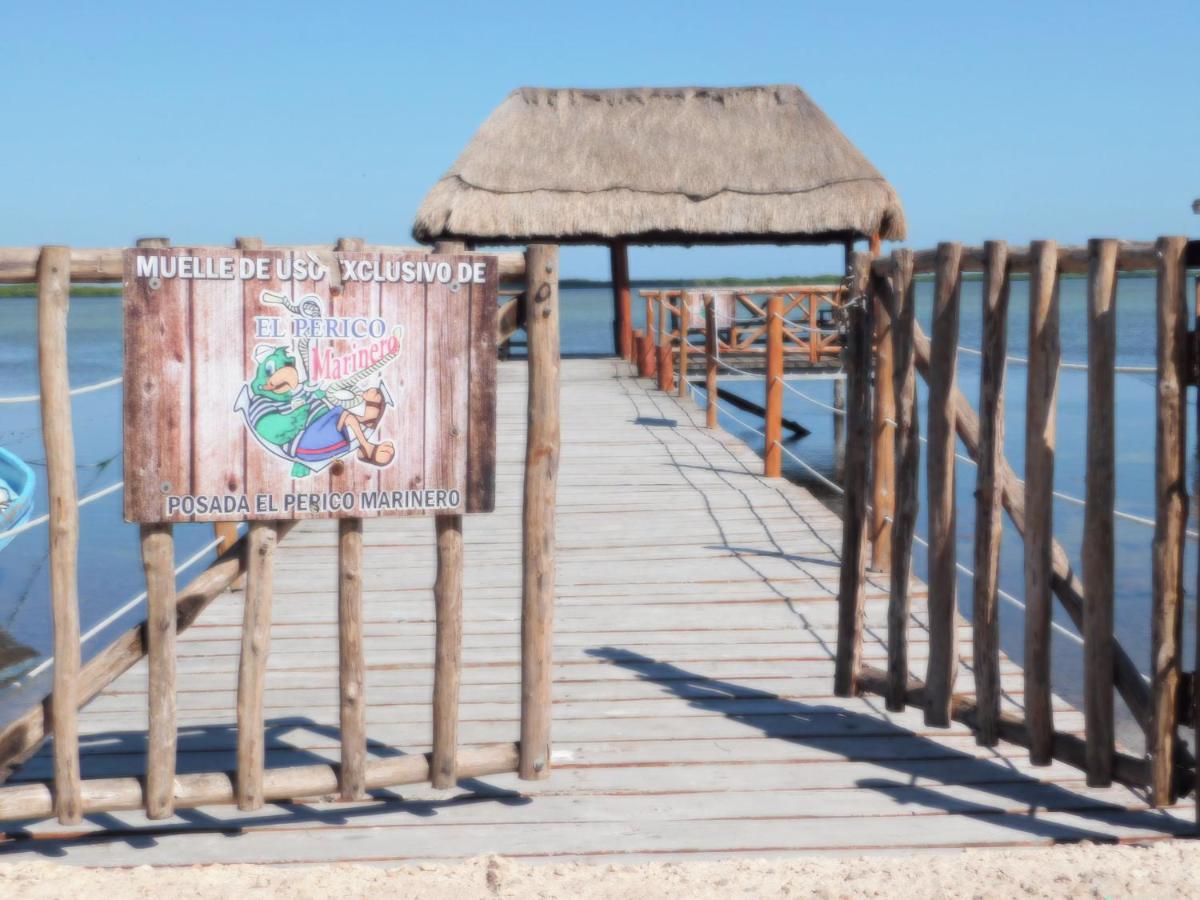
column 110, row 566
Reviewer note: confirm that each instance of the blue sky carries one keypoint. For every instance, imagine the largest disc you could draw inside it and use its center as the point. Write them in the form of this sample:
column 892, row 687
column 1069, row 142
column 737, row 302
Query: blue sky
column 302, row 122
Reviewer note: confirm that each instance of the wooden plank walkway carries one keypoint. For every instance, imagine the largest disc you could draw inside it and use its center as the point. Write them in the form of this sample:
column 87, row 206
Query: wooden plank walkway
column 694, row 641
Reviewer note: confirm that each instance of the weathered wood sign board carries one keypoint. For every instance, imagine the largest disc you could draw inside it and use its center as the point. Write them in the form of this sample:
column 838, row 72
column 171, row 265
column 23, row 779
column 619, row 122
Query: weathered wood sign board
column 263, row 385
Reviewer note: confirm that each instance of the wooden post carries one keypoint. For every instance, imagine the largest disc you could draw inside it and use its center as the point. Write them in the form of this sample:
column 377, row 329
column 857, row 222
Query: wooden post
column 1041, row 397
column 989, row 491
column 351, row 664
column 907, row 459
column 352, row 708
column 814, row 351
column 352, row 701
column 158, row 560
column 839, row 429
column 538, row 517
column 1196, row 649
column 666, row 369
column 773, row 417
column 252, row 666
column 852, row 576
column 685, row 324
column 1171, row 518
column 619, row 256
column 710, row 362
column 943, row 574
column 54, row 298
column 447, row 596
column 447, row 673
column 652, row 338
column 1098, row 542
column 646, row 354
column 883, row 464
column 226, row 533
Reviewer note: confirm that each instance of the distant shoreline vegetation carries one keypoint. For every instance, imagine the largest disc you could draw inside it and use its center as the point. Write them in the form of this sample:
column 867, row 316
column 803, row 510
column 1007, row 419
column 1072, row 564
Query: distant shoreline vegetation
column 77, row 290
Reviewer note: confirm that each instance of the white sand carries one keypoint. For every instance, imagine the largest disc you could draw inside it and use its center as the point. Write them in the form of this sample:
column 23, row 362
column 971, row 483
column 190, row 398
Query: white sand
column 1168, row 869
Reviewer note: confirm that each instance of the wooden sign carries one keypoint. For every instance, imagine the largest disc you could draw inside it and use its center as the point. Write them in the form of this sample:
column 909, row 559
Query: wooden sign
column 274, row 384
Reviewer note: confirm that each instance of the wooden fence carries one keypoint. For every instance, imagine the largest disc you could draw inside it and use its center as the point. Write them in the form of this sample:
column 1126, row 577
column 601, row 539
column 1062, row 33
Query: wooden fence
column 1162, row 706
column 883, row 350
column 53, row 269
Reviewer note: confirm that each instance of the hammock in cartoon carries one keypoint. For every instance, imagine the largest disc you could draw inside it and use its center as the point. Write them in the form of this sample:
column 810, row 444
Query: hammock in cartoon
column 311, row 425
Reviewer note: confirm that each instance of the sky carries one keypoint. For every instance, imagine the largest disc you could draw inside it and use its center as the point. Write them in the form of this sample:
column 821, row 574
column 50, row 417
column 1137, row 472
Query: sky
column 303, row 122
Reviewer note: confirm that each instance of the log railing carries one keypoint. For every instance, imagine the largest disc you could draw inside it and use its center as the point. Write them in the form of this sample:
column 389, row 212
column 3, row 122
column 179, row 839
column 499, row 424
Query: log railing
column 747, row 333
column 808, row 313
column 163, row 789
column 1163, row 705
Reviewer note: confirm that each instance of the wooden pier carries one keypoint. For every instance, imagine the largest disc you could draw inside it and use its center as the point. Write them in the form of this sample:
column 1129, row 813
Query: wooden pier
column 695, row 635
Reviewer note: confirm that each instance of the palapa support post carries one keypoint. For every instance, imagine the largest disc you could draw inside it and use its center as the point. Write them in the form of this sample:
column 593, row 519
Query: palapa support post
column 538, row 515
column 623, row 338
column 53, row 302
column 352, row 706
column 773, row 404
column 989, row 492
column 685, row 324
column 158, row 560
column 943, row 575
column 252, row 666
column 1098, row 539
column 1041, row 398
column 1170, row 474
column 852, row 575
column 883, row 463
column 710, row 362
column 907, row 458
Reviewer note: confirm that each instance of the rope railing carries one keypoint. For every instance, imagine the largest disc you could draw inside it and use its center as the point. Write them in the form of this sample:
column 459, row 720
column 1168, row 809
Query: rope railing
column 43, row 519
column 75, row 392
column 1078, row 366
column 812, row 400
column 732, row 368
column 128, row 606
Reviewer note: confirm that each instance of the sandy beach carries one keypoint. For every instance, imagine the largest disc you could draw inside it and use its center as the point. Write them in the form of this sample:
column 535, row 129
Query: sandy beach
column 1166, row 869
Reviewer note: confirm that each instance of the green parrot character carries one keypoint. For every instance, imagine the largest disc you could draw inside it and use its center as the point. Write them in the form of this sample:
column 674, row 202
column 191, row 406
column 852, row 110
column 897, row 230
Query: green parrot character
column 304, row 422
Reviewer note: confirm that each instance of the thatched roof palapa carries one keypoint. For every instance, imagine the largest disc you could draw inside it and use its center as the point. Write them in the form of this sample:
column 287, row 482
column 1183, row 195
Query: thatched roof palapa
column 660, row 165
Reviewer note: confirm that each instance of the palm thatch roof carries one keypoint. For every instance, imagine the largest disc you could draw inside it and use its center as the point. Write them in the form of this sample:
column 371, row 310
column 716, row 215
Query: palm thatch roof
column 660, row 165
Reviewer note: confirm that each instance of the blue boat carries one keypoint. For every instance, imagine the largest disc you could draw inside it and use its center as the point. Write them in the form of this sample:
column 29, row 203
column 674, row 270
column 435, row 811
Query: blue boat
column 17, row 482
